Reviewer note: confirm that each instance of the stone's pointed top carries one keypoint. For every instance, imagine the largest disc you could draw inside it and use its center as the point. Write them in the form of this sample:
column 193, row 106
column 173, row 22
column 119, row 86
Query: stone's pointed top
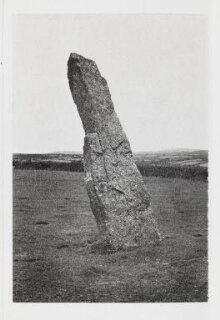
column 75, row 57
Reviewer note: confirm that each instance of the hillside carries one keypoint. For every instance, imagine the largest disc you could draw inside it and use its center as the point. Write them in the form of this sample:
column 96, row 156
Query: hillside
column 172, row 163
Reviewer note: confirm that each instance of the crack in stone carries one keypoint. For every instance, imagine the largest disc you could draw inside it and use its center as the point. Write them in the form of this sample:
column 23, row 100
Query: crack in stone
column 104, row 163
column 118, row 190
column 118, row 145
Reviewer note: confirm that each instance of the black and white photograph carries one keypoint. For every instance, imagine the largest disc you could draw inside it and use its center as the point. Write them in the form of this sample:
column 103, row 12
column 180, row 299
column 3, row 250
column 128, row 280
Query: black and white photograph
column 110, row 158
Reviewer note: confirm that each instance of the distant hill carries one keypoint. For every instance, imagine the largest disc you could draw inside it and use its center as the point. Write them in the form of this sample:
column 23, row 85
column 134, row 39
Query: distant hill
column 66, row 157
column 169, row 163
column 182, row 157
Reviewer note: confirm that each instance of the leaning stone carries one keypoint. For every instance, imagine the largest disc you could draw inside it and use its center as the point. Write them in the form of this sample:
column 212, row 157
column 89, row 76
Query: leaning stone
column 117, row 193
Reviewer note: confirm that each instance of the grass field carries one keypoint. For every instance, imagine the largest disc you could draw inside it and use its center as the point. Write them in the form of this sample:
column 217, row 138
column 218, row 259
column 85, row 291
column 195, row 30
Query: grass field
column 53, row 227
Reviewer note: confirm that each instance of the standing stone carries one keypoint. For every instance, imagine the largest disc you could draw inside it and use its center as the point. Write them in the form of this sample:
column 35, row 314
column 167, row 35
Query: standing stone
column 118, row 198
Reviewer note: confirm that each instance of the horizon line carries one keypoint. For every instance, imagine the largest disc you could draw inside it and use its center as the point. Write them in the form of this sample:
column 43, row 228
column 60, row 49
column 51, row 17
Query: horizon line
column 134, row 152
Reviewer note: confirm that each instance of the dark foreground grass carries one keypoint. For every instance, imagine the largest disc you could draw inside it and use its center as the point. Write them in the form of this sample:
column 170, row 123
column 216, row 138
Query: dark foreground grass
column 53, row 226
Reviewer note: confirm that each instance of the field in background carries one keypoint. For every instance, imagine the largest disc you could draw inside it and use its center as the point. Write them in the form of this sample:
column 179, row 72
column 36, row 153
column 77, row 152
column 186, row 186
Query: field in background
column 53, row 227
column 188, row 164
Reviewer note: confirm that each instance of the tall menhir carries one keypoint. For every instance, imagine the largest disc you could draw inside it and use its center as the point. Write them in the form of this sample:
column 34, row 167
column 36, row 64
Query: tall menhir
column 118, row 198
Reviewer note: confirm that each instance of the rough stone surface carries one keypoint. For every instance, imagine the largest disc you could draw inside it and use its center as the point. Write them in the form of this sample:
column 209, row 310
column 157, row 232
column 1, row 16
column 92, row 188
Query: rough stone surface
column 118, row 198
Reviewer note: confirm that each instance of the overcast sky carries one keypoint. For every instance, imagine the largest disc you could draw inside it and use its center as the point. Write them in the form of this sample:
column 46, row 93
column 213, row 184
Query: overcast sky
column 155, row 66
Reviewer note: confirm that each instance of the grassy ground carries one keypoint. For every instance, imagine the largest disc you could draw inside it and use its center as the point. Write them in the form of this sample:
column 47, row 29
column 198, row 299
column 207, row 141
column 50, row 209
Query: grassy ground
column 53, row 225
